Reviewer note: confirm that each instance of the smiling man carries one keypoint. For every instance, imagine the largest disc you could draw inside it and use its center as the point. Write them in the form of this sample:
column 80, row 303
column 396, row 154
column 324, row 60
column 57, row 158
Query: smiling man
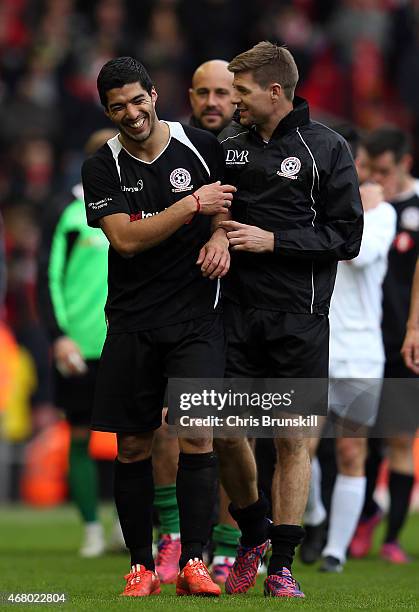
column 297, row 211
column 211, row 96
column 153, row 189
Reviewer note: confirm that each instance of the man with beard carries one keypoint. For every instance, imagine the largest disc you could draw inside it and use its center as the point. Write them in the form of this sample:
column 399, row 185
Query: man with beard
column 152, row 189
column 211, row 96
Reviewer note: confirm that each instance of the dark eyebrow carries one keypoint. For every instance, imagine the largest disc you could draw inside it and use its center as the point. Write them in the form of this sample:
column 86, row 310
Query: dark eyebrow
column 135, row 99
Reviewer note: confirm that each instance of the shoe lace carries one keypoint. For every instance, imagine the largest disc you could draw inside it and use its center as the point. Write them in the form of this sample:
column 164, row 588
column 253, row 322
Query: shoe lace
column 200, row 571
column 286, row 579
column 133, row 578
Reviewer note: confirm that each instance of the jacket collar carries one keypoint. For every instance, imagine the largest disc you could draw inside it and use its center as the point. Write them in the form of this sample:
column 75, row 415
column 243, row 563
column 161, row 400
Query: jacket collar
column 300, row 115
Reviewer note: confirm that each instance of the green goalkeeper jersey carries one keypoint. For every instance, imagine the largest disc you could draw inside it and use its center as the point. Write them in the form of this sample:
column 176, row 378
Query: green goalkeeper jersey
column 73, row 280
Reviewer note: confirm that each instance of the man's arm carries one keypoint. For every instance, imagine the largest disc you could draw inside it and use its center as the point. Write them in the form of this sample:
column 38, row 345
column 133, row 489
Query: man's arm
column 335, row 232
column 106, row 205
column 410, row 348
column 57, row 241
column 336, row 229
column 379, row 231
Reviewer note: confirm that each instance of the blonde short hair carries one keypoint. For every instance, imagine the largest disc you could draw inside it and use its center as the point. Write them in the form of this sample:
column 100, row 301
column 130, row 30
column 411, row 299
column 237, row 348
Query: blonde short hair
column 268, row 64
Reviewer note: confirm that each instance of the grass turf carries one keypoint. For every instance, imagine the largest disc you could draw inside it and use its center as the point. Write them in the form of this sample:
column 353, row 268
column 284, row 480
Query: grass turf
column 38, row 554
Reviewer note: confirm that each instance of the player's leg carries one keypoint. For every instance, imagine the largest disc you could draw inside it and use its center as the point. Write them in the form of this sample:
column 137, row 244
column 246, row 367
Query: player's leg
column 195, row 349
column 347, row 501
column 401, row 482
column 165, row 461
column 298, row 348
column 315, row 513
column 371, row 514
column 129, row 396
column 354, row 400
column 75, row 395
column 134, row 493
column 226, row 536
column 237, row 462
column 83, row 484
column 289, row 499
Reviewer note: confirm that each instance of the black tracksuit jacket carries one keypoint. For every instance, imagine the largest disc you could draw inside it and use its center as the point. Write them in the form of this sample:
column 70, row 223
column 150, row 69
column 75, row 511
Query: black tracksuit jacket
column 302, row 186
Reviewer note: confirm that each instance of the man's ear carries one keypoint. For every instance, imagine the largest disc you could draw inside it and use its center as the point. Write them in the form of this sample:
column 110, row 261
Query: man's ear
column 407, row 162
column 154, row 96
column 276, row 92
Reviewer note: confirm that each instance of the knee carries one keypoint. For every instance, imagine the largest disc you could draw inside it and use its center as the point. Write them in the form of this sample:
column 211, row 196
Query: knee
column 134, row 447
column 225, row 447
column 286, row 447
column 351, row 454
column 195, row 445
column 401, row 444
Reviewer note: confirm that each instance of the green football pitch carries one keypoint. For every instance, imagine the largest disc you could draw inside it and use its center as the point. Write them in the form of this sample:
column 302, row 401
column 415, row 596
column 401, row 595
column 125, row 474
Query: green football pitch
column 38, row 554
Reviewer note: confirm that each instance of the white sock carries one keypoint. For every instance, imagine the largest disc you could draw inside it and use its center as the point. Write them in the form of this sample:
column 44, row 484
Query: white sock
column 347, row 501
column 315, row 512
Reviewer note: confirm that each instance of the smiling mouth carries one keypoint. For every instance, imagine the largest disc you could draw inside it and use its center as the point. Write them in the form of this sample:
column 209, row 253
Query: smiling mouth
column 138, row 124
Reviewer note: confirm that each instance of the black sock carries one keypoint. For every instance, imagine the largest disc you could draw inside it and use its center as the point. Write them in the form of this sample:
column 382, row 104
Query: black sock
column 252, row 522
column 134, row 493
column 372, row 467
column 285, row 539
column 196, row 487
column 400, row 488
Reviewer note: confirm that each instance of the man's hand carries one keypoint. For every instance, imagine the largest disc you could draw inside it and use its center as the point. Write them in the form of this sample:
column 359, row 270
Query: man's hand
column 371, row 195
column 68, row 358
column 248, row 237
column 215, row 198
column 410, row 349
column 214, row 257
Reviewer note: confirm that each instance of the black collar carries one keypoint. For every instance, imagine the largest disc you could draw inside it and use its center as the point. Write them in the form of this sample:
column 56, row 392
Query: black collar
column 300, row 115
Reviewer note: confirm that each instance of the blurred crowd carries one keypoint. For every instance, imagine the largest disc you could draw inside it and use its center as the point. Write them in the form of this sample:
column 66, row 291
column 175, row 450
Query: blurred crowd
column 358, row 61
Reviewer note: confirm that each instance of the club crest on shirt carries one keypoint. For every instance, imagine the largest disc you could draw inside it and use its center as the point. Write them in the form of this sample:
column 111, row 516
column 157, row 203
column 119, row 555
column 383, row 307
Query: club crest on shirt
column 180, row 180
column 290, row 167
column 403, row 242
column 409, row 219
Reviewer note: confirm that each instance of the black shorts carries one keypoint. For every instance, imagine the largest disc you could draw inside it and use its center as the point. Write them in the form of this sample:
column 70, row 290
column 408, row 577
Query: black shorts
column 134, row 369
column 272, row 344
column 75, row 394
column 398, row 412
column 265, row 344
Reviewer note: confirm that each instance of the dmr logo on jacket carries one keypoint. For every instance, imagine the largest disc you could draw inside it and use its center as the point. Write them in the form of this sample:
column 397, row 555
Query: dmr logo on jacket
column 236, row 158
column 181, row 180
column 290, row 167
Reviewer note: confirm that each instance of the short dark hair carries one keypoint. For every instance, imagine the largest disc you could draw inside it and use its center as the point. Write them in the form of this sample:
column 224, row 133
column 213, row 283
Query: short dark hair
column 388, row 138
column 119, row 72
column 351, row 135
column 268, row 63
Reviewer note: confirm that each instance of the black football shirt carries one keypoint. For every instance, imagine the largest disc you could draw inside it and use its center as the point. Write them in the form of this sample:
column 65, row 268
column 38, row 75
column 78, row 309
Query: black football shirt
column 398, row 281
column 162, row 285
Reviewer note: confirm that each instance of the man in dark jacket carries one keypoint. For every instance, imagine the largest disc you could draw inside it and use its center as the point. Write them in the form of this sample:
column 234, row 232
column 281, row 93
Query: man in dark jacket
column 297, row 212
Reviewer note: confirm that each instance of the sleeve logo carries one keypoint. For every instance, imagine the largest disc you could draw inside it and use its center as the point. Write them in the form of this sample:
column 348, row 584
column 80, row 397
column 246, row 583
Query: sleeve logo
column 180, row 180
column 100, row 204
column 290, row 167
